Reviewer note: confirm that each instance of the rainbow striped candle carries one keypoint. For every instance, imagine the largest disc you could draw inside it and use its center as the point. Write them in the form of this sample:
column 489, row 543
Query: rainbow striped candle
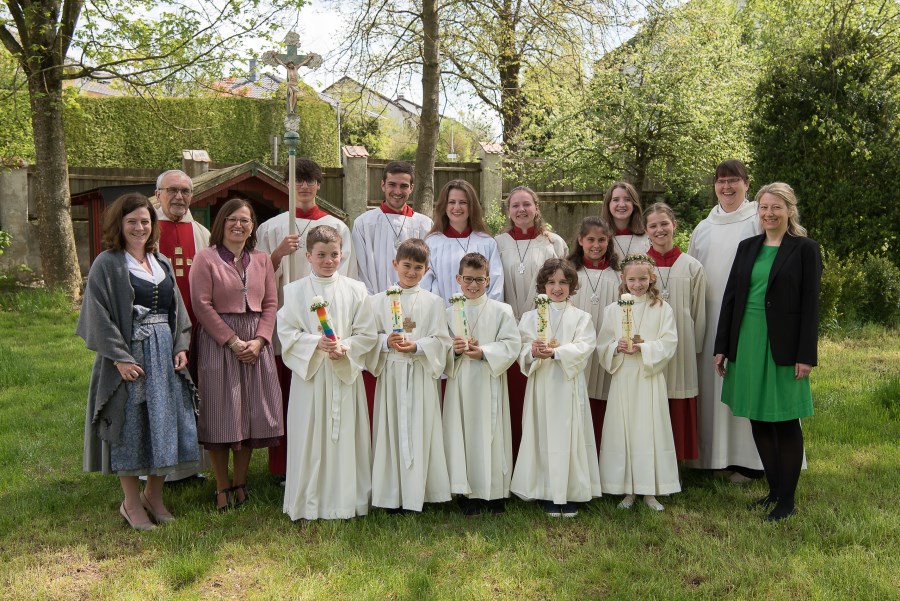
column 320, row 308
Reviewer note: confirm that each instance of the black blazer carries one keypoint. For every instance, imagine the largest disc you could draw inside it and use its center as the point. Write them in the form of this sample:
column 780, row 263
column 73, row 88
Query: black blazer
column 792, row 300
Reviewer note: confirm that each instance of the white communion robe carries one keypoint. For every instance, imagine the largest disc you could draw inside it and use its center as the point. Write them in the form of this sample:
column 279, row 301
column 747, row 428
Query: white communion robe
column 477, row 430
column 518, row 288
column 328, row 464
column 637, row 450
column 631, row 244
column 444, row 256
column 604, row 284
column 558, row 455
column 724, row 439
column 375, row 237
column 409, row 467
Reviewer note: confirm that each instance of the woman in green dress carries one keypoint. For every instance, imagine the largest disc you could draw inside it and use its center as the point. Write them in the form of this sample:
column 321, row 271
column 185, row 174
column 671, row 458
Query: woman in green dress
column 768, row 332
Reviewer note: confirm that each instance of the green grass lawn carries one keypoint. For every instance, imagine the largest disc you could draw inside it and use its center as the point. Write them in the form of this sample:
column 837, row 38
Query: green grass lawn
column 62, row 538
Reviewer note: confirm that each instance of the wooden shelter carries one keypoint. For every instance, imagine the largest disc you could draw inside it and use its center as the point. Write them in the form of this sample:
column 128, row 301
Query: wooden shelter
column 255, row 181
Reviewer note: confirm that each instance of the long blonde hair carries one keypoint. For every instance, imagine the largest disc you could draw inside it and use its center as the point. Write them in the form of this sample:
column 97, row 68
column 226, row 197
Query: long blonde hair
column 652, row 290
column 636, row 221
column 785, row 193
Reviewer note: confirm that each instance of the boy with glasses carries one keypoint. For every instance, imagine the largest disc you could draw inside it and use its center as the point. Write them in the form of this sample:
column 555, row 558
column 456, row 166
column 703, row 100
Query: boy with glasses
column 477, row 430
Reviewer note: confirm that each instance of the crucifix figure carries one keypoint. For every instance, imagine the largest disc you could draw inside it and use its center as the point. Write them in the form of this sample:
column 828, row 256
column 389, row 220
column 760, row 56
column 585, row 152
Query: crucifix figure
column 292, row 62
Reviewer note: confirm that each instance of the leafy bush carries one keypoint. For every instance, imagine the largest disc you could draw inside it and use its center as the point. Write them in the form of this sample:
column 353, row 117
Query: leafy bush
column 879, row 291
column 834, row 274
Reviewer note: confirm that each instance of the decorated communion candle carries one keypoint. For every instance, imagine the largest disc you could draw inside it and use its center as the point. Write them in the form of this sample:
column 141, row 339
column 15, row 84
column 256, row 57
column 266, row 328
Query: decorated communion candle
column 626, row 301
column 394, row 293
column 460, row 323
column 543, row 317
column 320, row 306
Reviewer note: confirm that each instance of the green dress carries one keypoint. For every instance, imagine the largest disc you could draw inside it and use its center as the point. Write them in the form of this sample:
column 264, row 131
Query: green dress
column 755, row 387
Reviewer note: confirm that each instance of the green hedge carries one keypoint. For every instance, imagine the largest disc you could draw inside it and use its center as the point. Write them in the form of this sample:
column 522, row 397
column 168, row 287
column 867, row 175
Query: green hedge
column 134, row 132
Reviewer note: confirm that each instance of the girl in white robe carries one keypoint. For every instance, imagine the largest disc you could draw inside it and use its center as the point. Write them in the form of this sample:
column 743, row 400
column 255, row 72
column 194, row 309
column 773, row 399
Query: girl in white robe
column 477, row 435
column 598, row 285
column 557, row 462
column 459, row 229
column 409, row 467
column 637, row 454
column 328, row 472
column 682, row 284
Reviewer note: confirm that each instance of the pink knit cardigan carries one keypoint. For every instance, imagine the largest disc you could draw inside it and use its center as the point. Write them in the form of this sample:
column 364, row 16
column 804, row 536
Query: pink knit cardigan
column 216, row 289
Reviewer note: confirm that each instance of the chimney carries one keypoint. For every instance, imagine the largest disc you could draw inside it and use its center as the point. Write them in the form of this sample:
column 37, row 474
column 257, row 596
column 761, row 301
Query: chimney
column 194, row 162
column 252, row 76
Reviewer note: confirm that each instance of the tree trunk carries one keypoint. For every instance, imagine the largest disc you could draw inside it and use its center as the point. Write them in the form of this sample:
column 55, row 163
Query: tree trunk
column 509, row 69
column 59, row 261
column 429, row 120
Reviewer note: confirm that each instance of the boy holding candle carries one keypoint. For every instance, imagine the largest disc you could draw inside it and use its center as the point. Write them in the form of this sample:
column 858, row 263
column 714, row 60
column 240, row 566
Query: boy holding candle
column 326, row 329
column 408, row 467
column 477, row 438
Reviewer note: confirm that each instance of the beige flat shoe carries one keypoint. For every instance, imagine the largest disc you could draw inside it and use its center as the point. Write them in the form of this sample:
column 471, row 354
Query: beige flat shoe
column 143, row 526
column 159, row 518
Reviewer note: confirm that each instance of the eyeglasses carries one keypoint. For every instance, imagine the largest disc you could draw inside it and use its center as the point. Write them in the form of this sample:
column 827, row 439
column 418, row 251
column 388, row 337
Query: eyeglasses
column 469, row 279
column 242, row 220
column 728, row 181
column 304, row 182
column 173, row 191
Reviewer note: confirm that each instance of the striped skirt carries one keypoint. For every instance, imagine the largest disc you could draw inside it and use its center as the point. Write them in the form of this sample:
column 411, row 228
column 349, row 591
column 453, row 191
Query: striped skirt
column 240, row 403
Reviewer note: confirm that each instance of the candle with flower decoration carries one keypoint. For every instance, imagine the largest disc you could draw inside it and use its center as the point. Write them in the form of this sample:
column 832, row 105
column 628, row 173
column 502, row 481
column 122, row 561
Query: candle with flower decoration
column 320, row 308
column 460, row 323
column 542, row 301
column 626, row 301
column 394, row 293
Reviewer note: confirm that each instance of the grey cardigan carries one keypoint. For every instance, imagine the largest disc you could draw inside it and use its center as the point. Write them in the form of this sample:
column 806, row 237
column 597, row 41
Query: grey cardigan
column 105, row 324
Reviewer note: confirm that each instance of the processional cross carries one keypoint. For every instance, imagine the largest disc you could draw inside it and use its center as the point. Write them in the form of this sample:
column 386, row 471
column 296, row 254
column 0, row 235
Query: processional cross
column 292, row 61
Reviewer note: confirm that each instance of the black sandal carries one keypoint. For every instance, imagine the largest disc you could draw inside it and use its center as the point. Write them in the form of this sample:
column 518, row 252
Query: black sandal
column 241, row 487
column 229, row 499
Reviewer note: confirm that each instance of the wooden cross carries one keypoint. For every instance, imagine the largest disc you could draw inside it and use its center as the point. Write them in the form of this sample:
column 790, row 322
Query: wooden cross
column 408, row 325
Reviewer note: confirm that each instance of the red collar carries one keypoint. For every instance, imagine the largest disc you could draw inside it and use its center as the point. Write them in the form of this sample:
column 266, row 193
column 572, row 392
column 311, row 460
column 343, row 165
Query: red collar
column 517, row 234
column 664, row 260
column 626, row 232
column 452, row 233
column 406, row 210
column 314, row 213
column 601, row 264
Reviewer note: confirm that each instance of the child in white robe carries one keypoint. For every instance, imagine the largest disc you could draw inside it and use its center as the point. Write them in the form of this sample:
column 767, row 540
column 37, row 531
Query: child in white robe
column 557, row 462
column 328, row 470
column 477, row 437
column 637, row 453
column 408, row 464
column 597, row 263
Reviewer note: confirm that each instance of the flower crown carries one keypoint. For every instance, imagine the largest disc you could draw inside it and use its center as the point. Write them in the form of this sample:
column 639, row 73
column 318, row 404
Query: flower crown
column 457, row 297
column 395, row 289
column 318, row 303
column 638, row 258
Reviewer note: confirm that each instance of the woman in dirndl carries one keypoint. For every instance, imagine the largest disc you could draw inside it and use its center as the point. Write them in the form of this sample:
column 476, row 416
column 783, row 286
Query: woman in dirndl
column 235, row 300
column 141, row 402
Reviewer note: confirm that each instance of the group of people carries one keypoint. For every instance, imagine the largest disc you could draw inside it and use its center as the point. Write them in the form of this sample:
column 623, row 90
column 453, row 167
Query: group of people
column 410, row 360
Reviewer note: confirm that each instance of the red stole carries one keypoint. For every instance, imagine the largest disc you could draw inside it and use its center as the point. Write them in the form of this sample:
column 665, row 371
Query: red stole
column 176, row 242
column 406, row 210
column 313, row 214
